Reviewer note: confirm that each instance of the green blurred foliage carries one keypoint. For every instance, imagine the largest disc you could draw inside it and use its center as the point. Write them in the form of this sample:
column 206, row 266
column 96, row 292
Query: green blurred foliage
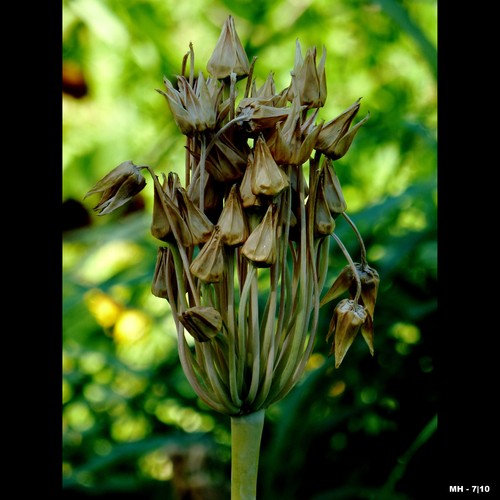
column 132, row 426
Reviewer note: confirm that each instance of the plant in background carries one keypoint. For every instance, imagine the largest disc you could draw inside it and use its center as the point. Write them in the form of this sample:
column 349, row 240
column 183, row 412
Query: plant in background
column 244, row 243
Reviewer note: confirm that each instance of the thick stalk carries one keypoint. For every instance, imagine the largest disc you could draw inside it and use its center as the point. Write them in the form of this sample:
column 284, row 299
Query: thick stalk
column 246, row 434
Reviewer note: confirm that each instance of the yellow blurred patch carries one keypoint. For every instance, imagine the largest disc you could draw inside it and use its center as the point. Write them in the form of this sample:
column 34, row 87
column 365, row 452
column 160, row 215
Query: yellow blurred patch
column 130, row 326
column 104, row 309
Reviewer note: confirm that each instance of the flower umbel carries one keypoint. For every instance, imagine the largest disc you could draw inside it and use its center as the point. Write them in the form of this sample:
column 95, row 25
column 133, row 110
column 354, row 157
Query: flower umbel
column 244, row 234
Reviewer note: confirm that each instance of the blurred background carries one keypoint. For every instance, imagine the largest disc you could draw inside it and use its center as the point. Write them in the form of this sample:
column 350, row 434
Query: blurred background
column 132, row 426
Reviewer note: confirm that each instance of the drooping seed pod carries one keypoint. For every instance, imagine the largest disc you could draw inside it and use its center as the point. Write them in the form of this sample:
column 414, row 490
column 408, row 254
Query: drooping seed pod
column 159, row 286
column 260, row 247
column 167, row 223
column 232, row 221
column 160, row 225
column 202, row 322
column 342, row 283
column 370, row 280
column 347, row 319
column 267, row 178
column 118, row 187
column 208, row 265
column 229, row 56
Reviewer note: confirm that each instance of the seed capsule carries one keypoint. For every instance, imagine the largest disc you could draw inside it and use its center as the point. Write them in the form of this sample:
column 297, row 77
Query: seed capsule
column 208, row 265
column 260, row 247
column 159, row 286
column 267, row 178
column 202, row 322
column 232, row 221
column 199, row 225
column 333, row 192
column 118, row 187
column 309, row 81
column 229, row 56
column 348, row 317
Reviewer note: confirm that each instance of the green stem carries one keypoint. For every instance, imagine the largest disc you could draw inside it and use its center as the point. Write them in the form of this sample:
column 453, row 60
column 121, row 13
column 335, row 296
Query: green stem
column 246, row 434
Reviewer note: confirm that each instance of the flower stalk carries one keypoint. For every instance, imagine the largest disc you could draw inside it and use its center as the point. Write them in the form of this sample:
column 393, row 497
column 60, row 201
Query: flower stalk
column 244, row 245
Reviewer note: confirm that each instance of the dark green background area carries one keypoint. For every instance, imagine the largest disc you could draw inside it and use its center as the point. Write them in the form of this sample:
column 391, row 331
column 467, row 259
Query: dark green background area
column 132, row 426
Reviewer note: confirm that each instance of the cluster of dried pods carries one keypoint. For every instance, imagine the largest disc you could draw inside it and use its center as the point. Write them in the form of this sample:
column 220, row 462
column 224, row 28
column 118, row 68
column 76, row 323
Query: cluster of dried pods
column 245, row 244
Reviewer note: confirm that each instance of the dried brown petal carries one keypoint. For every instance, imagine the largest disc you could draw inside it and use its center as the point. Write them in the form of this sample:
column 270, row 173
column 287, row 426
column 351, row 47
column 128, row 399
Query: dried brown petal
column 118, row 187
column 202, row 322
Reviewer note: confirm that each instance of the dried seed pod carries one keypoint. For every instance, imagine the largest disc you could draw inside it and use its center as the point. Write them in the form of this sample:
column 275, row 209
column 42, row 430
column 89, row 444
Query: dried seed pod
column 333, row 191
column 167, row 223
column 335, row 129
column 370, row 280
column 229, row 56
column 309, row 81
column 323, row 221
column 199, row 225
column 260, row 247
column 267, row 178
column 118, row 187
column 348, row 317
column 345, row 142
column 292, row 142
column 160, row 225
column 159, row 286
column 232, row 221
column 335, row 137
column 342, row 283
column 256, row 117
column 202, row 322
column 248, row 198
column 208, row 265
column 227, row 159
